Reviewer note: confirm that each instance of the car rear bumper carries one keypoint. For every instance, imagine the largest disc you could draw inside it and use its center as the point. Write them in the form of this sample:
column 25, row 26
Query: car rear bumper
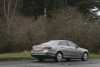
column 43, row 55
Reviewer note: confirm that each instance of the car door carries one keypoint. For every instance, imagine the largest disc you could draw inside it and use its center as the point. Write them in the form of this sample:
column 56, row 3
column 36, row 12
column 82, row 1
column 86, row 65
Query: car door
column 74, row 52
column 65, row 48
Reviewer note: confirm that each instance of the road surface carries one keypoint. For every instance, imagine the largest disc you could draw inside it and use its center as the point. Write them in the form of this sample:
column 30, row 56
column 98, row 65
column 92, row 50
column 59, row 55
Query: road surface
column 50, row 63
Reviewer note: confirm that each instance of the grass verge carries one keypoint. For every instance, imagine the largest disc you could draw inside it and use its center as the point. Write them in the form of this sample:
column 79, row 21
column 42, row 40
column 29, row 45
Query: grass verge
column 15, row 56
column 95, row 56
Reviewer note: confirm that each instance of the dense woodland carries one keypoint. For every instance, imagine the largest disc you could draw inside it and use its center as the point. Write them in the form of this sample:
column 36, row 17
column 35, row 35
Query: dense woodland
column 24, row 23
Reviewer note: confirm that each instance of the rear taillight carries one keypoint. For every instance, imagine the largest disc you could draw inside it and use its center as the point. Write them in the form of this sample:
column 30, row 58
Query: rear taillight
column 47, row 48
column 32, row 48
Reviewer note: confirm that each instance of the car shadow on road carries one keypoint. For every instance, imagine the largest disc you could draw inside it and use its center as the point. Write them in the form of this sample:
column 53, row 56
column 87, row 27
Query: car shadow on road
column 52, row 61
column 64, row 62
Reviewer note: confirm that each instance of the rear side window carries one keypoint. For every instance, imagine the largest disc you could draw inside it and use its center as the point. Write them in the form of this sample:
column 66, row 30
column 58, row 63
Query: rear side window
column 63, row 43
column 71, row 44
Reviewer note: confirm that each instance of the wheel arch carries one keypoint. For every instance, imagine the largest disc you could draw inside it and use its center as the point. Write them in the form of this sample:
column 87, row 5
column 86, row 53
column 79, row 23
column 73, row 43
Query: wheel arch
column 58, row 52
column 86, row 52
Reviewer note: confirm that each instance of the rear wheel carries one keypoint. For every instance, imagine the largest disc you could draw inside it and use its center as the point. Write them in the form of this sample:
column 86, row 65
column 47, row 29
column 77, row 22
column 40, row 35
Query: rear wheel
column 41, row 59
column 84, row 57
column 59, row 57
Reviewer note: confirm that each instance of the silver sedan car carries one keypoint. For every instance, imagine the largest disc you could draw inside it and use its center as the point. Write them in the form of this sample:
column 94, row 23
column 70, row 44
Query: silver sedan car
column 58, row 50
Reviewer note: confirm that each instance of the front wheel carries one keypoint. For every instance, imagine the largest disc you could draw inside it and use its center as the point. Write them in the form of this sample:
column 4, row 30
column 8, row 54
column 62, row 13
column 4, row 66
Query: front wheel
column 84, row 57
column 59, row 57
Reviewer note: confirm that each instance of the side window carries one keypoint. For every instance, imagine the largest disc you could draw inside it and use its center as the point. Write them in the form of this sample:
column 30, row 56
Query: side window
column 63, row 43
column 71, row 44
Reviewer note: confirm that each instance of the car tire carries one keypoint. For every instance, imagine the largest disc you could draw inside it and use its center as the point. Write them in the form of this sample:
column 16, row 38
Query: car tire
column 84, row 57
column 58, row 57
column 41, row 59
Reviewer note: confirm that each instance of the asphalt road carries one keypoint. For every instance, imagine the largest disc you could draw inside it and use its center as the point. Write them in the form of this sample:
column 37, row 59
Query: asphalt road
column 50, row 63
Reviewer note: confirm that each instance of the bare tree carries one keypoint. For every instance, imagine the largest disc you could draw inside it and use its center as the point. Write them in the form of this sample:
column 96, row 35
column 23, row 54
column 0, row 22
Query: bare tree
column 9, row 12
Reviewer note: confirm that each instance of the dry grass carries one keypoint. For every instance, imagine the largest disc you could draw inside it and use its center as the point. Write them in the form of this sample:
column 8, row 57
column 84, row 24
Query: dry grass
column 14, row 56
column 95, row 56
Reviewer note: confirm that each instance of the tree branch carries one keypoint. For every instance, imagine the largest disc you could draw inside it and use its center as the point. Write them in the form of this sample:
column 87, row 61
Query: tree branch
column 14, row 10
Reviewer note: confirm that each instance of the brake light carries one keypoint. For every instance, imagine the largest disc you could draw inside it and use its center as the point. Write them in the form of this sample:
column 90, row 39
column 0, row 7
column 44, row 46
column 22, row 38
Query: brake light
column 32, row 48
column 47, row 48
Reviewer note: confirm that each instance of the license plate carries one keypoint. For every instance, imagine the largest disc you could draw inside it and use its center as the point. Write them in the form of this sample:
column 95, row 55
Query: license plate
column 37, row 48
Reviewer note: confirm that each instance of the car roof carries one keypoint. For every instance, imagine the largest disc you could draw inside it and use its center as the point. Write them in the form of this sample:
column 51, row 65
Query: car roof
column 58, row 40
column 51, row 42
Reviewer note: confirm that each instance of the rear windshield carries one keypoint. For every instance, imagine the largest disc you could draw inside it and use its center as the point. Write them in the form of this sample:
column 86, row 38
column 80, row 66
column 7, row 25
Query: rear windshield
column 48, row 43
